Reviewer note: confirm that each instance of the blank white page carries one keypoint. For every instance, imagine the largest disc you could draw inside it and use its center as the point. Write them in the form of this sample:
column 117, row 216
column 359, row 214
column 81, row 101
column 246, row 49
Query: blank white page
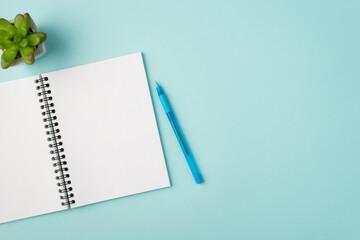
column 27, row 179
column 108, row 128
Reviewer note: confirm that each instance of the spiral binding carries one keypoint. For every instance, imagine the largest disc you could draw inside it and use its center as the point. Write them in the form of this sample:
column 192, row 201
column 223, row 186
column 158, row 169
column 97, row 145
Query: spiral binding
column 55, row 141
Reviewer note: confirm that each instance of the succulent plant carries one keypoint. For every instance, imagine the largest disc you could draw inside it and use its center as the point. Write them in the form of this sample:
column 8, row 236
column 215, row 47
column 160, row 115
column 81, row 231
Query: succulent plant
column 18, row 40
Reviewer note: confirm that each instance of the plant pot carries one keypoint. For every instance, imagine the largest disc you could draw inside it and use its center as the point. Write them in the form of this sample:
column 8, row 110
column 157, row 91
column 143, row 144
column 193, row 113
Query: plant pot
column 39, row 52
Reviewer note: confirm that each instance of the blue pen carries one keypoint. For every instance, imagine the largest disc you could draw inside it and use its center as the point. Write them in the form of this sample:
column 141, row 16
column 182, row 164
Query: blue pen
column 175, row 126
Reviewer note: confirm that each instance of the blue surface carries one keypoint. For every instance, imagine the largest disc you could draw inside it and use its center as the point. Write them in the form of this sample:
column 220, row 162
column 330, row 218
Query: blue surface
column 267, row 93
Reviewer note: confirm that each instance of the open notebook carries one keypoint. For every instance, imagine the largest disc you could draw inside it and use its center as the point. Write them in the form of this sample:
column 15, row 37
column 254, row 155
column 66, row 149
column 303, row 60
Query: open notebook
column 77, row 136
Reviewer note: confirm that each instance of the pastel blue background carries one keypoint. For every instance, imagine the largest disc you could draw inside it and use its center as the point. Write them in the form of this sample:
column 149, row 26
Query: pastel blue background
column 267, row 94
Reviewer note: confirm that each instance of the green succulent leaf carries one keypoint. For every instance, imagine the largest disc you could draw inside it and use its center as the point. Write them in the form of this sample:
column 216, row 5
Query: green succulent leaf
column 23, row 43
column 28, row 55
column 20, row 23
column 8, row 57
column 5, row 44
column 28, row 20
column 17, row 37
column 6, row 26
column 36, row 38
column 4, row 35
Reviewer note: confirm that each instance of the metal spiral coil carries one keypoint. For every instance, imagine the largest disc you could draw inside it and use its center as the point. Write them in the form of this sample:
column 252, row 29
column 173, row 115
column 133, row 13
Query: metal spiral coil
column 54, row 138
